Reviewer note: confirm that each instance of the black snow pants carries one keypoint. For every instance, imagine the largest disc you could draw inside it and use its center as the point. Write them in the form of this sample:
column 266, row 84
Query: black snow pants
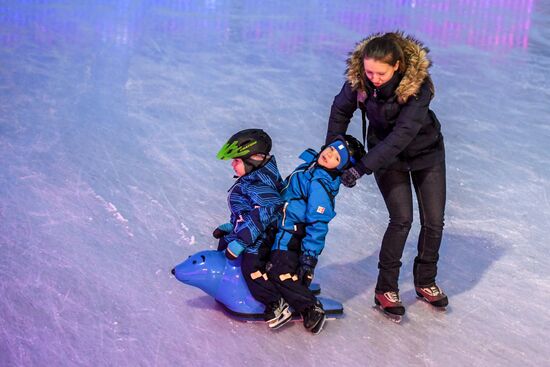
column 282, row 271
column 254, row 273
column 256, row 277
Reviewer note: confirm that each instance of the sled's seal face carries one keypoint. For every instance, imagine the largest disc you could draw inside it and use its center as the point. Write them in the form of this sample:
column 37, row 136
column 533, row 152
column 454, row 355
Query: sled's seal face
column 203, row 270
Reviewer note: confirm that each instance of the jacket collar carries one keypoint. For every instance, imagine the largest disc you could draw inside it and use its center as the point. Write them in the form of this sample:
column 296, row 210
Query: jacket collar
column 333, row 173
column 268, row 173
column 386, row 90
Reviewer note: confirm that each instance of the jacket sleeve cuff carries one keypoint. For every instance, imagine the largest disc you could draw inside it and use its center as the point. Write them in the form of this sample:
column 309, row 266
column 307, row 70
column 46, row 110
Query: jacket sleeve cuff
column 226, row 227
column 235, row 248
column 362, row 169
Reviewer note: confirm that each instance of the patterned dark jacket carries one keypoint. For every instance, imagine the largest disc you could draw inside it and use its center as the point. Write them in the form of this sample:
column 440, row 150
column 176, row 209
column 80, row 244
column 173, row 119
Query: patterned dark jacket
column 255, row 204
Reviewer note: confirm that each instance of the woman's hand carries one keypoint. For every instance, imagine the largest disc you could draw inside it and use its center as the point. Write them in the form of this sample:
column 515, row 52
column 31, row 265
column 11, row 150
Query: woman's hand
column 351, row 175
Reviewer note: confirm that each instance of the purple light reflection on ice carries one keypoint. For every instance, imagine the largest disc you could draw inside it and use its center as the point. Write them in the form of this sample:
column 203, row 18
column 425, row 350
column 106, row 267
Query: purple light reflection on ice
column 484, row 24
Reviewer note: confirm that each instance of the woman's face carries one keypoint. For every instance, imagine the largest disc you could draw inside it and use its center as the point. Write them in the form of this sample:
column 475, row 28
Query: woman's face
column 379, row 72
column 238, row 167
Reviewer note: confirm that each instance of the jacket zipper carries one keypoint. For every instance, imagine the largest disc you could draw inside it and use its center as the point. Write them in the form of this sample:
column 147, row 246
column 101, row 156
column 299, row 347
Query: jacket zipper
column 230, row 191
column 284, row 213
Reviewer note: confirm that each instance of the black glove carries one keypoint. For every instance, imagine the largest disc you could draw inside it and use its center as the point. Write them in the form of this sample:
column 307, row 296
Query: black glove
column 306, row 269
column 218, row 233
column 222, row 230
column 351, row 175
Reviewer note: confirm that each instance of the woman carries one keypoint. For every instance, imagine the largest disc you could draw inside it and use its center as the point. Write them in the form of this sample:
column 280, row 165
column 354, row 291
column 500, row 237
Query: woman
column 388, row 79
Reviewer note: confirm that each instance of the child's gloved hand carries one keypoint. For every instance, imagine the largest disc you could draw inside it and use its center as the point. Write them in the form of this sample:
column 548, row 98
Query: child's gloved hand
column 222, row 230
column 230, row 255
column 306, row 269
column 234, row 249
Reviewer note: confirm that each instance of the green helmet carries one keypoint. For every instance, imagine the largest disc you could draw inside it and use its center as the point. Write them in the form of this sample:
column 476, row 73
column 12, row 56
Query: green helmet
column 246, row 143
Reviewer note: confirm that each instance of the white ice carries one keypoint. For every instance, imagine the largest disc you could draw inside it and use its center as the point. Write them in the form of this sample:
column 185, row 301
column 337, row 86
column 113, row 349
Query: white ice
column 111, row 114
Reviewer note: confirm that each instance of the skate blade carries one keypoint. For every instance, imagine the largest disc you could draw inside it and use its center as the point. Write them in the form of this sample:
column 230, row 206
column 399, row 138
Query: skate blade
column 392, row 317
column 317, row 329
column 280, row 324
column 437, row 308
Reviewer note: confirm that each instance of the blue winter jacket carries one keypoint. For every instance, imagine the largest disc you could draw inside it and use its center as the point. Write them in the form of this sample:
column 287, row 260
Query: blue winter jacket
column 309, row 194
column 255, row 203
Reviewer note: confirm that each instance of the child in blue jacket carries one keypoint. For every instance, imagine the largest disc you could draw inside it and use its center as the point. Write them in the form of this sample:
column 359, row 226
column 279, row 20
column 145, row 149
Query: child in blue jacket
column 309, row 195
column 255, row 204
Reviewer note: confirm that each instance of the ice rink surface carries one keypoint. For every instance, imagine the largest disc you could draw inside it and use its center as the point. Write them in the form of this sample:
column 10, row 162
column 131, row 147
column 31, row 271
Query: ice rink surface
column 111, row 114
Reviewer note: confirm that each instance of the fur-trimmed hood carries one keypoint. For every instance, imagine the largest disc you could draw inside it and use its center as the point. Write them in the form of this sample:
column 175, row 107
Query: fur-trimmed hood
column 416, row 61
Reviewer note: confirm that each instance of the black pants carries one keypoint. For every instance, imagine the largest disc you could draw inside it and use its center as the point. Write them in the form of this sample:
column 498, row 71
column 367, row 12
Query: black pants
column 256, row 278
column 395, row 186
column 284, row 265
column 253, row 269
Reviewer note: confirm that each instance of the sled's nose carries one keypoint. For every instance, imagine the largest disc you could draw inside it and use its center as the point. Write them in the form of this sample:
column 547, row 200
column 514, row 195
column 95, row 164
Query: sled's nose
column 173, row 271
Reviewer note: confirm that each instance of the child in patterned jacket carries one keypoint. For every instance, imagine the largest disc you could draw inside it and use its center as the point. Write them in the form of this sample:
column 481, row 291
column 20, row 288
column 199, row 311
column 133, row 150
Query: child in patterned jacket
column 255, row 204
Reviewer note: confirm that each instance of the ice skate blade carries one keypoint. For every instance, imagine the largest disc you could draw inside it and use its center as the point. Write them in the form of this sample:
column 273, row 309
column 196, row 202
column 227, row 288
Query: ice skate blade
column 437, row 308
column 274, row 326
column 293, row 319
column 392, row 317
column 319, row 327
column 280, row 325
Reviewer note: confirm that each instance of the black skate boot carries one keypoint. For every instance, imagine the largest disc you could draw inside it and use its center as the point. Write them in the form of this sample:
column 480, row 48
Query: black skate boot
column 433, row 295
column 314, row 318
column 277, row 314
column 390, row 304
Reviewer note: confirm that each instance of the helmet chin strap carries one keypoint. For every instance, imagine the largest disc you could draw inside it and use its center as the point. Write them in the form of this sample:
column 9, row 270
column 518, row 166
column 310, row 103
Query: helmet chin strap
column 248, row 167
column 251, row 165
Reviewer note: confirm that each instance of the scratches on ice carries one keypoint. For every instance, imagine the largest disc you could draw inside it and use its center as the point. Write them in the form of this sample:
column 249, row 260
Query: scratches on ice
column 112, row 209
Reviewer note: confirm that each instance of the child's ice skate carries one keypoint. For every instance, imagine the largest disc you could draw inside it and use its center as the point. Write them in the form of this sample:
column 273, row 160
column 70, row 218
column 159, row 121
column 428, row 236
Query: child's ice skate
column 314, row 318
column 277, row 314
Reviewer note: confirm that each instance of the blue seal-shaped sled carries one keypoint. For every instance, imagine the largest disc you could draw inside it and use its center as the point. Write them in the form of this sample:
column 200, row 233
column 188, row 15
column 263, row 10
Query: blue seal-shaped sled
column 222, row 279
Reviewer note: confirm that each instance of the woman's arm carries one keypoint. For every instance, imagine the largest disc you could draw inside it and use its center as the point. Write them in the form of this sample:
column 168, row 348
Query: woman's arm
column 409, row 122
column 341, row 112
